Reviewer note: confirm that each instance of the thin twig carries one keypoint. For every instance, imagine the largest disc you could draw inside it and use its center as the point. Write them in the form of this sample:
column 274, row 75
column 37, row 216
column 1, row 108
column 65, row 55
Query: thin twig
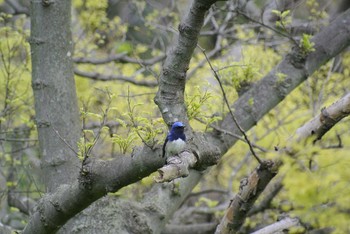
column 104, row 77
column 64, row 141
column 268, row 27
column 99, row 131
column 224, row 131
column 17, row 139
column 228, row 106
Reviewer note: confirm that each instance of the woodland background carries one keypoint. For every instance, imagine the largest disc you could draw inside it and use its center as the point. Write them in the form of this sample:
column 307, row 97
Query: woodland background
column 89, row 88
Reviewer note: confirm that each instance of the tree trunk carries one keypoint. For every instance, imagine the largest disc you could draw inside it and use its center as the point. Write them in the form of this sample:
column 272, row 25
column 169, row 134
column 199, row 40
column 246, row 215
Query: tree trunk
column 57, row 114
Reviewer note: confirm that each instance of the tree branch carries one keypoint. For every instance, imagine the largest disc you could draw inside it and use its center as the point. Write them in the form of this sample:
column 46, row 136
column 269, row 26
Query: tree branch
column 190, row 228
column 324, row 121
column 96, row 179
column 279, row 226
column 103, row 77
column 266, row 202
column 17, row 7
column 120, row 58
column 249, row 191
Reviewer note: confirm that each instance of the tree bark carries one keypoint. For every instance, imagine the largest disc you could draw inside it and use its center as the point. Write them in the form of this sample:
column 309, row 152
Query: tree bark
column 57, row 113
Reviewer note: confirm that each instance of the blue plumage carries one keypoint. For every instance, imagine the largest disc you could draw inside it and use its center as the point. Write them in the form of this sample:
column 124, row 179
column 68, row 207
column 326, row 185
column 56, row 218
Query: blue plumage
column 175, row 141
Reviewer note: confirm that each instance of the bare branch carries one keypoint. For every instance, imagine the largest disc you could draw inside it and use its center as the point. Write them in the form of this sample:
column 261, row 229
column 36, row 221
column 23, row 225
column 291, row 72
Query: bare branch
column 190, row 228
column 24, row 204
column 323, row 122
column 279, row 226
column 17, row 7
column 18, row 139
column 103, row 77
column 96, row 180
column 121, row 58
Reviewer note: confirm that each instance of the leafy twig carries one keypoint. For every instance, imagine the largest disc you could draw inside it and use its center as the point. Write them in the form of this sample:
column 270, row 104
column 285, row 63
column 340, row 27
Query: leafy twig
column 104, row 120
column 133, row 121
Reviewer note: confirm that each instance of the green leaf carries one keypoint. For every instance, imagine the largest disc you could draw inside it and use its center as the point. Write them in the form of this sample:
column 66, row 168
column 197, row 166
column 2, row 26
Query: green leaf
column 276, row 12
column 285, row 13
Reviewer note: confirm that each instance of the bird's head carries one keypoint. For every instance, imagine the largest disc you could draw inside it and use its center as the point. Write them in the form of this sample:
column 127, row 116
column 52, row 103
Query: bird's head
column 178, row 127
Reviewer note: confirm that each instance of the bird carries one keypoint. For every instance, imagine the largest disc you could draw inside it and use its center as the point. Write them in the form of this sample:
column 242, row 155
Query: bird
column 175, row 141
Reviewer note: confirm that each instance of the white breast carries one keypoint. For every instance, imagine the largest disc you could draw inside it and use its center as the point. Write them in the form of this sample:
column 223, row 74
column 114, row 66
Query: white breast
column 174, row 147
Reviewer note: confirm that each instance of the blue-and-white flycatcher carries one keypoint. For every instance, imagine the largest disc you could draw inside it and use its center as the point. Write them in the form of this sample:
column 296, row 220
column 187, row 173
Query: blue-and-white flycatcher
column 175, row 141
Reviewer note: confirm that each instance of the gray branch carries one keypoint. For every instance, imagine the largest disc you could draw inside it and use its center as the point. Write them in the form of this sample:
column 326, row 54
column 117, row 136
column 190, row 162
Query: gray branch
column 96, row 179
column 104, row 77
column 119, row 58
column 279, row 226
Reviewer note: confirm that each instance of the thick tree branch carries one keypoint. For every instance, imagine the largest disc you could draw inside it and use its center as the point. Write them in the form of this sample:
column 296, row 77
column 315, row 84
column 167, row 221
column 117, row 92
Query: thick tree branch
column 96, row 179
column 266, row 202
column 249, row 191
column 170, row 95
column 177, row 166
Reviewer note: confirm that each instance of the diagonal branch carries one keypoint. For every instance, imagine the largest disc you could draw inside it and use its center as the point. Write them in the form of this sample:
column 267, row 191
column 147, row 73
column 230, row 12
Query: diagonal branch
column 249, row 190
column 95, row 181
column 324, row 121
